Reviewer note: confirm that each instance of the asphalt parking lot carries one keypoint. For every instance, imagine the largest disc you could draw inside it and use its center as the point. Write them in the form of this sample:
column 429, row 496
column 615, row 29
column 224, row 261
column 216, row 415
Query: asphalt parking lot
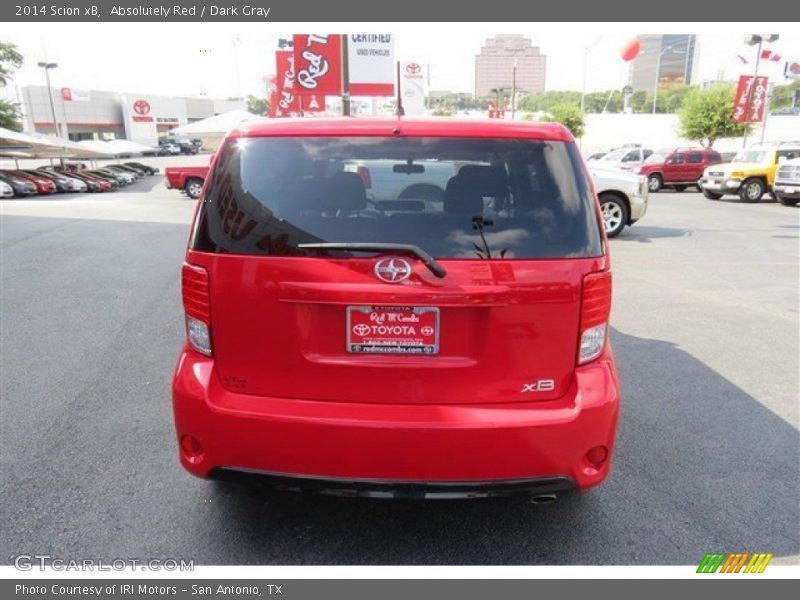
column 706, row 337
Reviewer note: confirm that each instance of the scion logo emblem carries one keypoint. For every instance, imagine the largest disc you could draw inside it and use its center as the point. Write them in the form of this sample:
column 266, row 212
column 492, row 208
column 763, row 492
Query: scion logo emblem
column 141, row 107
column 392, row 270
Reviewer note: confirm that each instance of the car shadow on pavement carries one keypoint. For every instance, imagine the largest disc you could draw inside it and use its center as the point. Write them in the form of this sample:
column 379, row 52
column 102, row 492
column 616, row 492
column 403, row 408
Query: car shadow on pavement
column 646, row 235
column 700, row 466
column 145, row 184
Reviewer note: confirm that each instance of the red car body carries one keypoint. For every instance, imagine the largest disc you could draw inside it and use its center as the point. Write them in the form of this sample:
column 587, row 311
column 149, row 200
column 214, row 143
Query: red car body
column 502, row 405
column 680, row 167
column 43, row 185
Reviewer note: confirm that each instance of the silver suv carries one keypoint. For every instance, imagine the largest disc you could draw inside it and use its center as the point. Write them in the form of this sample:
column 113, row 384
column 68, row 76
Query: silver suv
column 787, row 182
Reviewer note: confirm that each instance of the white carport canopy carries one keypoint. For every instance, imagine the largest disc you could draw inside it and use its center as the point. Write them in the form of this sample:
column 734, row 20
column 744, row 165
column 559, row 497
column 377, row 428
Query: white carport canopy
column 218, row 125
column 115, row 147
column 21, row 145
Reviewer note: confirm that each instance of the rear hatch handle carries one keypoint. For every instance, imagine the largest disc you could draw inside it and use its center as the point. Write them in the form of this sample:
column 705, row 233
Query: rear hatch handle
column 409, row 249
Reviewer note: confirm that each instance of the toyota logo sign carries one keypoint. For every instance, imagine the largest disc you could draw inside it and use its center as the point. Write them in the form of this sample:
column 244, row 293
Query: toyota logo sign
column 413, row 69
column 141, row 107
column 392, row 270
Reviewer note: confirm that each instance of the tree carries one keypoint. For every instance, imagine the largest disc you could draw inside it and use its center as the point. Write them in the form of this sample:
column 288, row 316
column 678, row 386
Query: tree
column 10, row 115
column 257, row 106
column 10, row 60
column 569, row 115
column 707, row 115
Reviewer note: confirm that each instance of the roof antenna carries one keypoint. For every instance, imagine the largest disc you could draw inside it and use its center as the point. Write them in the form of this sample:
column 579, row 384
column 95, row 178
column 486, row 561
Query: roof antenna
column 400, row 111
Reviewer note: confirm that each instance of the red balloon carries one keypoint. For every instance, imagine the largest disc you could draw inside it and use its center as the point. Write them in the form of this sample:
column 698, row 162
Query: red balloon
column 630, row 49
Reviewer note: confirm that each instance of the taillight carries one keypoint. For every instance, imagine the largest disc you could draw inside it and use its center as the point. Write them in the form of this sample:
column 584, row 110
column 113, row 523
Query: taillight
column 196, row 305
column 595, row 311
column 363, row 172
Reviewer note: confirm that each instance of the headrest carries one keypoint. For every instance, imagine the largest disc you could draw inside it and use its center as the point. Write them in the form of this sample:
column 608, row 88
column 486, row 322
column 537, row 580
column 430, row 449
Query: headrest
column 462, row 198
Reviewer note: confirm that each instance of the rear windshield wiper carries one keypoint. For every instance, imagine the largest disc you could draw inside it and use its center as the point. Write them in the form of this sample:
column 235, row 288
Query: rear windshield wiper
column 409, row 249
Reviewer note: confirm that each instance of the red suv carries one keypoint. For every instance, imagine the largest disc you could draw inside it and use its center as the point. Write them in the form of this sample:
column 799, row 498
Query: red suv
column 451, row 345
column 677, row 168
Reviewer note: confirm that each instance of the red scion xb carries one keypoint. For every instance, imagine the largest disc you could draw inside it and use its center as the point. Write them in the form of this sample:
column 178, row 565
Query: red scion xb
column 398, row 308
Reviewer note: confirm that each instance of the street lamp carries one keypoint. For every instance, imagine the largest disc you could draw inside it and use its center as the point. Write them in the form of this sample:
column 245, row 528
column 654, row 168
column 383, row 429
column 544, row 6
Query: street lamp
column 514, row 89
column 664, row 50
column 47, row 66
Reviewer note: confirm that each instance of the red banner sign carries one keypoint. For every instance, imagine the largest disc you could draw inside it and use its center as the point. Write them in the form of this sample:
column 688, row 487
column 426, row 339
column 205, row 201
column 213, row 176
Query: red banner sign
column 318, row 64
column 752, row 94
column 286, row 99
column 312, row 103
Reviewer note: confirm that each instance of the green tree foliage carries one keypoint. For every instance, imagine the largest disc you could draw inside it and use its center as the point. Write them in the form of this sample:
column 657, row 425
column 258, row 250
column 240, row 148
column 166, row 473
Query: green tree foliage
column 257, row 106
column 782, row 95
column 706, row 115
column 10, row 61
column 569, row 115
column 10, row 115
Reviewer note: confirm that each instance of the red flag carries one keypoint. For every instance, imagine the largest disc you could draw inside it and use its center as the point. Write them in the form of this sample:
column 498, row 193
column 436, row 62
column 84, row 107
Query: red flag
column 285, row 86
column 752, row 95
column 770, row 55
column 318, row 64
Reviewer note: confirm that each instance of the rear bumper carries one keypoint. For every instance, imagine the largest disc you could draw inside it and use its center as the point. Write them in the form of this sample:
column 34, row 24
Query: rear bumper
column 391, row 449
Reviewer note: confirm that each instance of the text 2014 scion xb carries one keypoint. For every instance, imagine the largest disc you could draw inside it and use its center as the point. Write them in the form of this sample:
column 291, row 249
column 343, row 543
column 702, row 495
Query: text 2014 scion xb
column 449, row 340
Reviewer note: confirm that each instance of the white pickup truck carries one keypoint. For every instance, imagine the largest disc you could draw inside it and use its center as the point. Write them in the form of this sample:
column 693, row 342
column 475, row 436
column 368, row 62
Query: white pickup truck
column 622, row 195
column 787, row 182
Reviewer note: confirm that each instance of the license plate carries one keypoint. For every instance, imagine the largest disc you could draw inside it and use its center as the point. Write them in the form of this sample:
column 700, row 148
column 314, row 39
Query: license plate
column 393, row 329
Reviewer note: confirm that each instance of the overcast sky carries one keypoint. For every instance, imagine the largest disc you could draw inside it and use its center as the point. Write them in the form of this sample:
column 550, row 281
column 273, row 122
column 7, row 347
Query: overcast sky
column 224, row 60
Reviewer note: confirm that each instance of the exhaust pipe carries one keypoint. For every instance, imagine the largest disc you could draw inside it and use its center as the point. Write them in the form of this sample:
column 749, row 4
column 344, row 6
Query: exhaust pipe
column 544, row 499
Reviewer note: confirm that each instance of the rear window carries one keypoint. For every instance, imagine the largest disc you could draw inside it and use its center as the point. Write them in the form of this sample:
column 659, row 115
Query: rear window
column 452, row 197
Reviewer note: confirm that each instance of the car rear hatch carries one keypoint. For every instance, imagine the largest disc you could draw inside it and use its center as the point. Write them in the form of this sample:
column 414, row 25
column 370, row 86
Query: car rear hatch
column 495, row 317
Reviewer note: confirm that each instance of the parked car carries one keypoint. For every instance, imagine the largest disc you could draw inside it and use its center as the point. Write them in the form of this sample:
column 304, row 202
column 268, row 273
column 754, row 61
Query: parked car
column 122, row 178
column 169, row 147
column 115, row 180
column 623, row 198
column 627, row 158
column 188, row 179
column 750, row 175
column 678, row 168
column 92, row 184
column 787, row 182
column 43, row 185
column 22, row 187
column 63, row 183
column 186, row 145
column 146, row 168
column 6, row 191
column 135, row 173
column 449, row 349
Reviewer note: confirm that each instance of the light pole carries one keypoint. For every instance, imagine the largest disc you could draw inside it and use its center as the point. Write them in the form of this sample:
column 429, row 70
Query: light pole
column 47, row 66
column 661, row 54
column 755, row 40
column 514, row 90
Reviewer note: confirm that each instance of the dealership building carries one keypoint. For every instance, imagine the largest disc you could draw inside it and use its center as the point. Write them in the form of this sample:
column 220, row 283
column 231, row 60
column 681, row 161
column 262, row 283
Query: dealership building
column 103, row 115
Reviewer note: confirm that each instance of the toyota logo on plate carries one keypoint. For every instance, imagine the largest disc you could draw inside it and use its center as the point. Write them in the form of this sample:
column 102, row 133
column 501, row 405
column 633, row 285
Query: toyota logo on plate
column 413, row 69
column 141, row 107
column 392, row 270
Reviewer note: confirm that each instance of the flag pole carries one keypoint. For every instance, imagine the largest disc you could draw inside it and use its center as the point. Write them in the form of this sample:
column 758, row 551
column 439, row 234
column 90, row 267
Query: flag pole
column 345, row 79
